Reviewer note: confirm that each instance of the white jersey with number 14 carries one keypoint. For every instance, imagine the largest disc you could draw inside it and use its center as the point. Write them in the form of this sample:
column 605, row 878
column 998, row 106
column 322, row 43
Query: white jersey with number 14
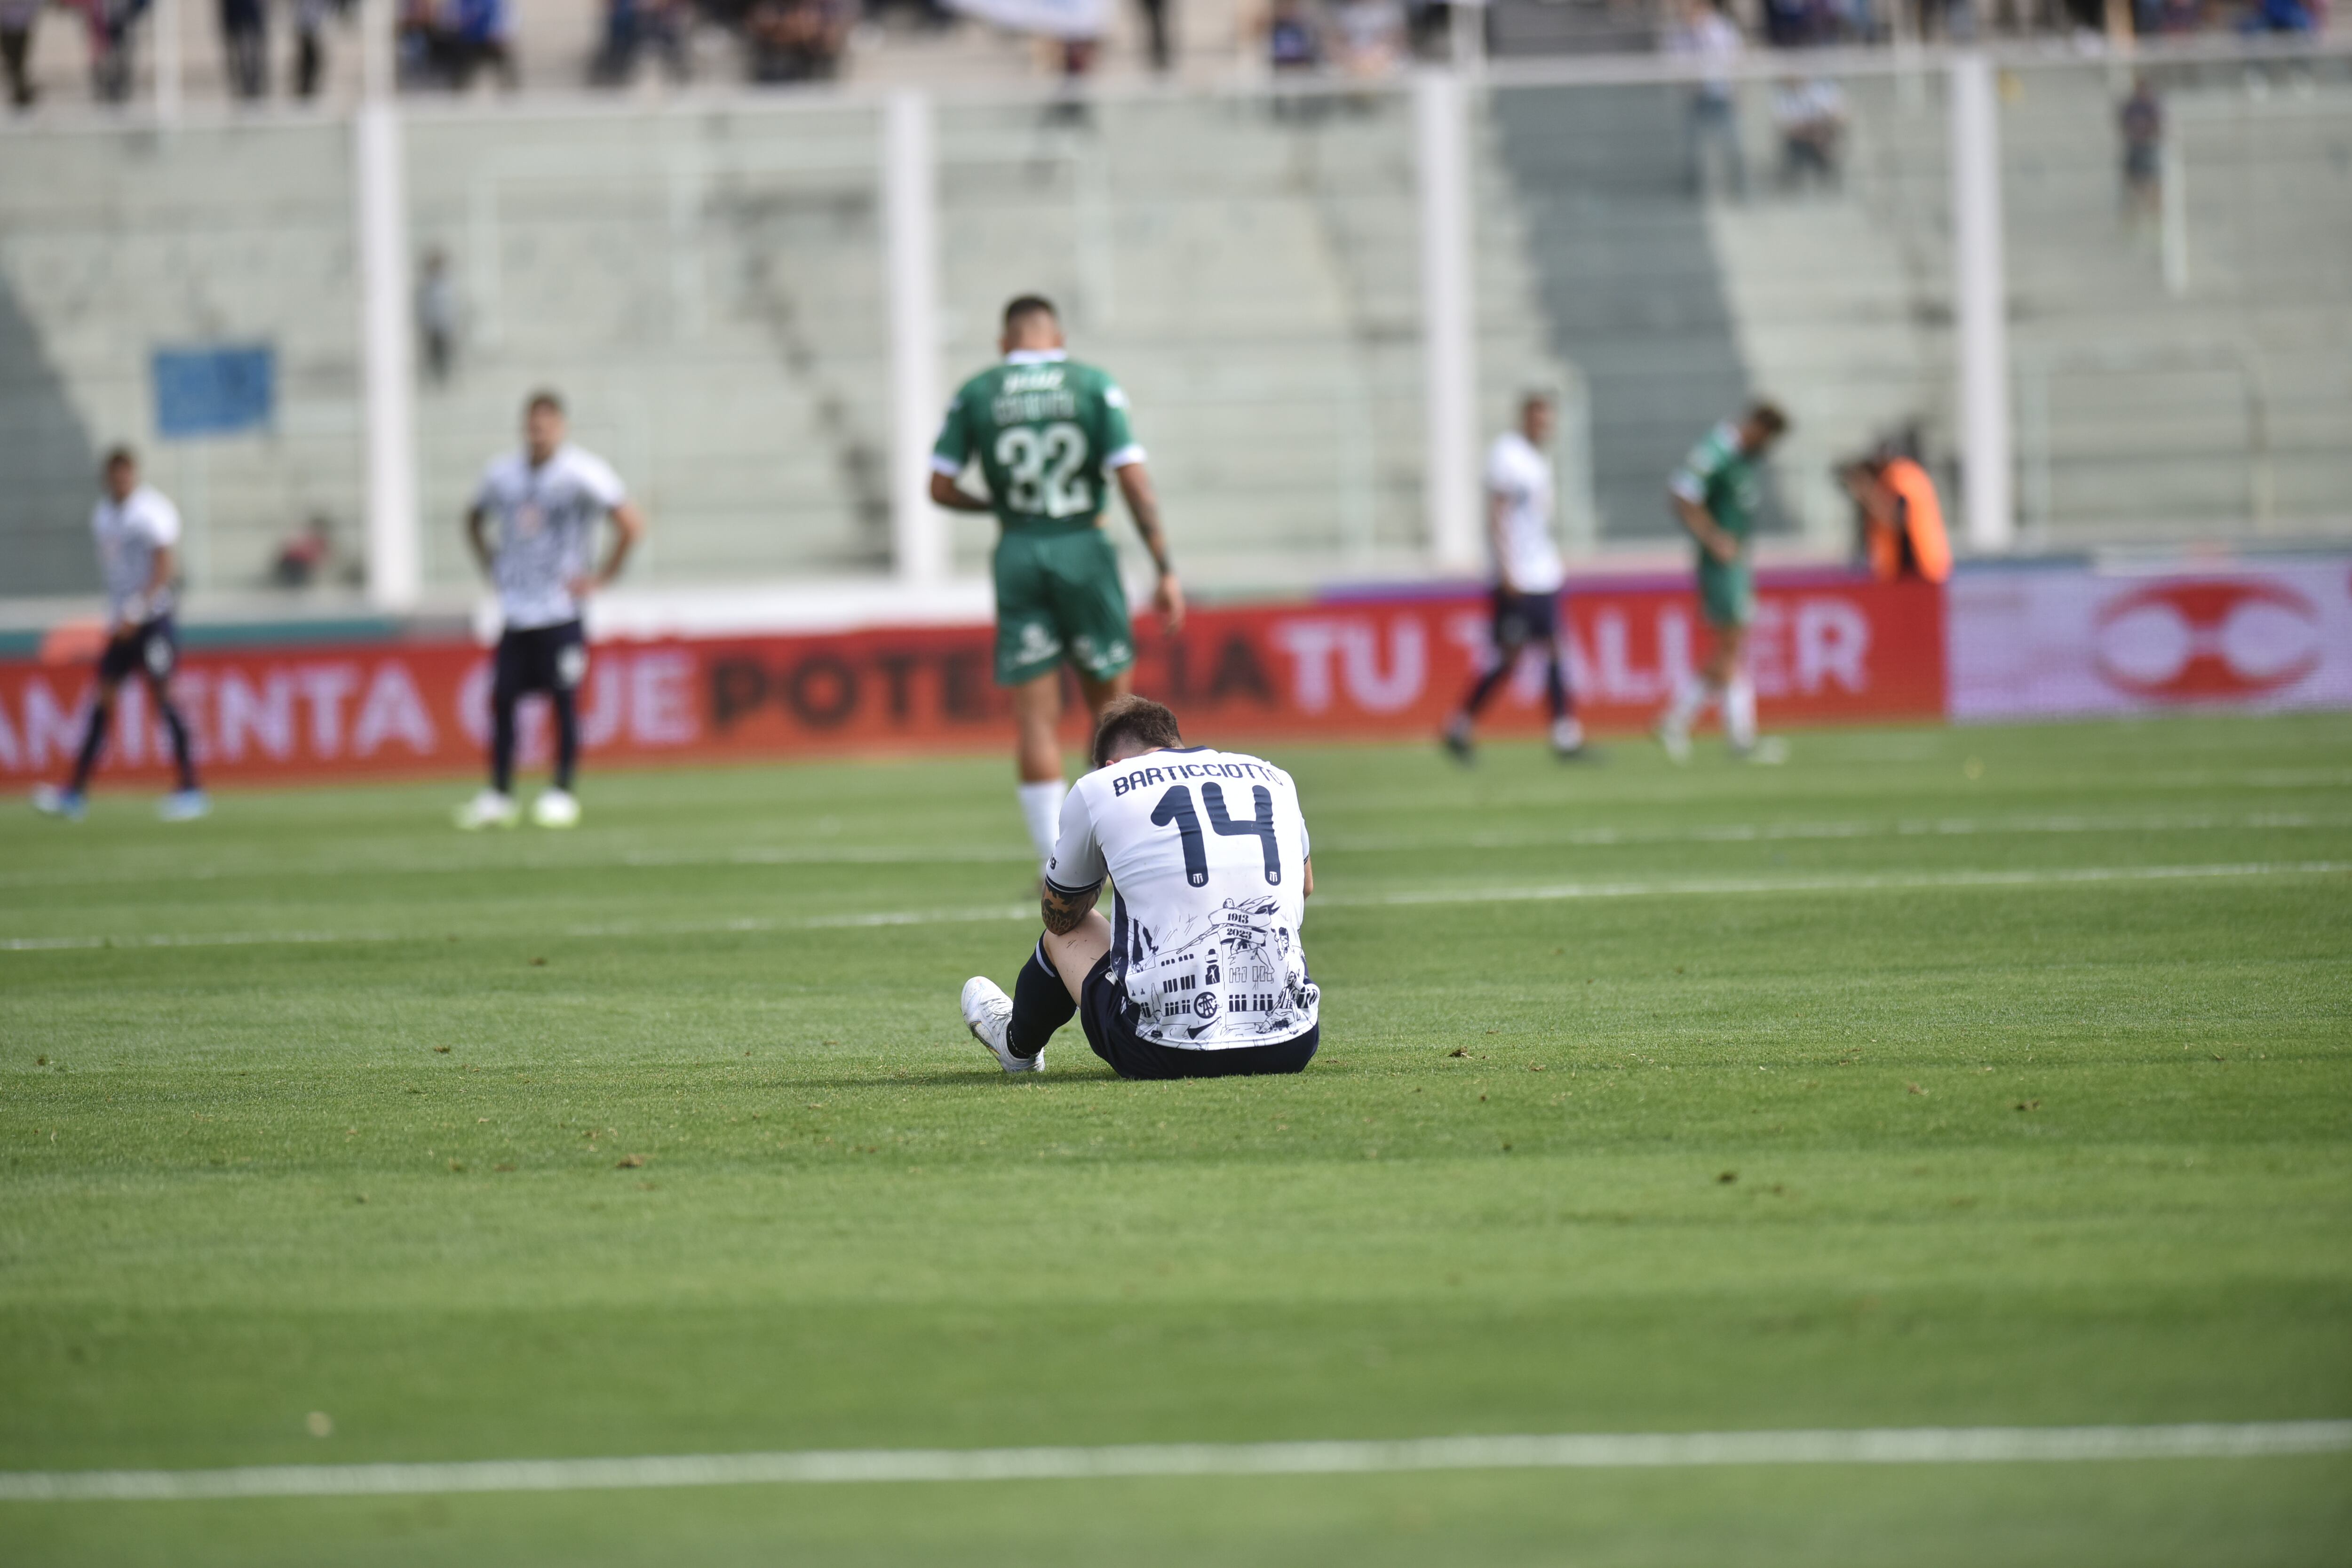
column 1208, row 852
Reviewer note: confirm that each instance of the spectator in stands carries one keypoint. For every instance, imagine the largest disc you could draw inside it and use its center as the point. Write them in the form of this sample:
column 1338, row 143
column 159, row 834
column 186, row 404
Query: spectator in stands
column 1811, row 118
column 110, row 46
column 1294, row 47
column 418, row 47
column 1294, row 44
column 2278, row 17
column 1954, row 21
column 436, row 316
column 1853, row 22
column 2154, row 17
column 1078, row 57
column 311, row 18
column 1371, row 37
column 2140, row 120
column 1709, row 37
column 1429, row 28
column 1788, row 24
column 244, row 42
column 1155, row 30
column 303, row 559
column 929, row 15
column 665, row 27
column 479, row 34
column 16, row 20
column 795, row 40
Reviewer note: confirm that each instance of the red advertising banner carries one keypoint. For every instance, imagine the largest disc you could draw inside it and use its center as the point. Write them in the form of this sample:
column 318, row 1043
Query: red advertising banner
column 1824, row 649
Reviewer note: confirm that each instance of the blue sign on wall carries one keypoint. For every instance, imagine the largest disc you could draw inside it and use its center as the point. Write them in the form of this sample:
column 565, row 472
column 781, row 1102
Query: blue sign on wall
column 219, row 390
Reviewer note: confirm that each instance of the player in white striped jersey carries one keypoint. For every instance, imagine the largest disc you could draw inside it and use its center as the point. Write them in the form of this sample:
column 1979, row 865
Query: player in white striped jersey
column 1199, row 973
column 546, row 500
column 138, row 535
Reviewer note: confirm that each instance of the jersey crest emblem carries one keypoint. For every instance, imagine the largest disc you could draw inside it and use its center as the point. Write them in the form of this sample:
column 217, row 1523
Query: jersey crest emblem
column 1204, row 1005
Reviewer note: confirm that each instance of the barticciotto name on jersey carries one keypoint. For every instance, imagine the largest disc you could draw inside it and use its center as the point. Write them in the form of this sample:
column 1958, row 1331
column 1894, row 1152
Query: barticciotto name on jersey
column 1235, row 975
column 1209, row 854
column 1143, row 778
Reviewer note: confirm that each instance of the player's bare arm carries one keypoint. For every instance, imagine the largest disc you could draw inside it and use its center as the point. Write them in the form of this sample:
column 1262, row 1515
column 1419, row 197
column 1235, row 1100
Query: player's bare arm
column 1498, row 523
column 1063, row 912
column 480, row 542
column 159, row 578
column 1143, row 505
column 1700, row 524
column 628, row 527
column 947, row 492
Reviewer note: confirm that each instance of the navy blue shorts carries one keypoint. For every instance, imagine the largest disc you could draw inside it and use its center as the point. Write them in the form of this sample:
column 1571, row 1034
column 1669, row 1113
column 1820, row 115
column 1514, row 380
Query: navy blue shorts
column 1523, row 619
column 541, row 659
column 1109, row 1018
column 153, row 651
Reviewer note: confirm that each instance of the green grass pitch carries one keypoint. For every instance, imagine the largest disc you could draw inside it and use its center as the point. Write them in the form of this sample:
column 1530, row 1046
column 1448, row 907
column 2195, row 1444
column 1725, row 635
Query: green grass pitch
column 1919, row 1082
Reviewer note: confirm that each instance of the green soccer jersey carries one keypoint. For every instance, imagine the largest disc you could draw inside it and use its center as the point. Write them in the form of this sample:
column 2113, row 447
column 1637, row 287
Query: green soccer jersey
column 1046, row 430
column 1720, row 476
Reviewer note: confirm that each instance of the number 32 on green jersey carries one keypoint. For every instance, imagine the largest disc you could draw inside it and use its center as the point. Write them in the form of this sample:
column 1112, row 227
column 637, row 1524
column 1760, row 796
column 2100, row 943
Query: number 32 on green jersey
column 1044, row 465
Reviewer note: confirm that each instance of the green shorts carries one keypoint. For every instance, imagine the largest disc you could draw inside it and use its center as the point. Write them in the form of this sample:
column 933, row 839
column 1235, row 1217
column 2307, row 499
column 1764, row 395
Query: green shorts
column 1727, row 595
column 1058, row 597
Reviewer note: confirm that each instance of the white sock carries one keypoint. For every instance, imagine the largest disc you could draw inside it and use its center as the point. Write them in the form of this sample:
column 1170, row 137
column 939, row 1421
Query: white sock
column 1690, row 702
column 1567, row 733
column 1739, row 712
column 1040, row 808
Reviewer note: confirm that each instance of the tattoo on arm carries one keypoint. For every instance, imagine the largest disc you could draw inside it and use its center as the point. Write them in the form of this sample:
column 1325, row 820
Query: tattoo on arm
column 1063, row 914
column 1143, row 505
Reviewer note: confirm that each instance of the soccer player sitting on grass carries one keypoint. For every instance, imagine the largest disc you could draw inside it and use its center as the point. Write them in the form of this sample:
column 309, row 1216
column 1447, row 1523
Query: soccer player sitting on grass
column 1199, row 971
column 547, row 499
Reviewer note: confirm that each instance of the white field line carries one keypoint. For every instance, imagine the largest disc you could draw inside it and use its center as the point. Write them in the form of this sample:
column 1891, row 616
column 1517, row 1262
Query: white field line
column 194, row 939
column 1543, row 893
column 1778, row 832
column 1881, row 1446
column 1890, row 881
column 1334, row 841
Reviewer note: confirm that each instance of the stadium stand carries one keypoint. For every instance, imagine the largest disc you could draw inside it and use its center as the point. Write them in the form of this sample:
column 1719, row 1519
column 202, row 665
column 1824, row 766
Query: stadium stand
column 113, row 246
column 701, row 276
column 2144, row 415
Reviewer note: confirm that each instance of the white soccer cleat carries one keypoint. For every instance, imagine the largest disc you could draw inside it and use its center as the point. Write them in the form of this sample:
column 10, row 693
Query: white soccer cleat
column 51, row 800
column 185, row 805
column 1674, row 739
column 556, row 808
column 988, row 1014
column 488, row 809
column 1768, row 752
column 1568, row 738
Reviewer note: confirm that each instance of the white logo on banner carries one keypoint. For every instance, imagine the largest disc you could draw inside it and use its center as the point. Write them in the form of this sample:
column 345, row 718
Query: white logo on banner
column 2073, row 640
